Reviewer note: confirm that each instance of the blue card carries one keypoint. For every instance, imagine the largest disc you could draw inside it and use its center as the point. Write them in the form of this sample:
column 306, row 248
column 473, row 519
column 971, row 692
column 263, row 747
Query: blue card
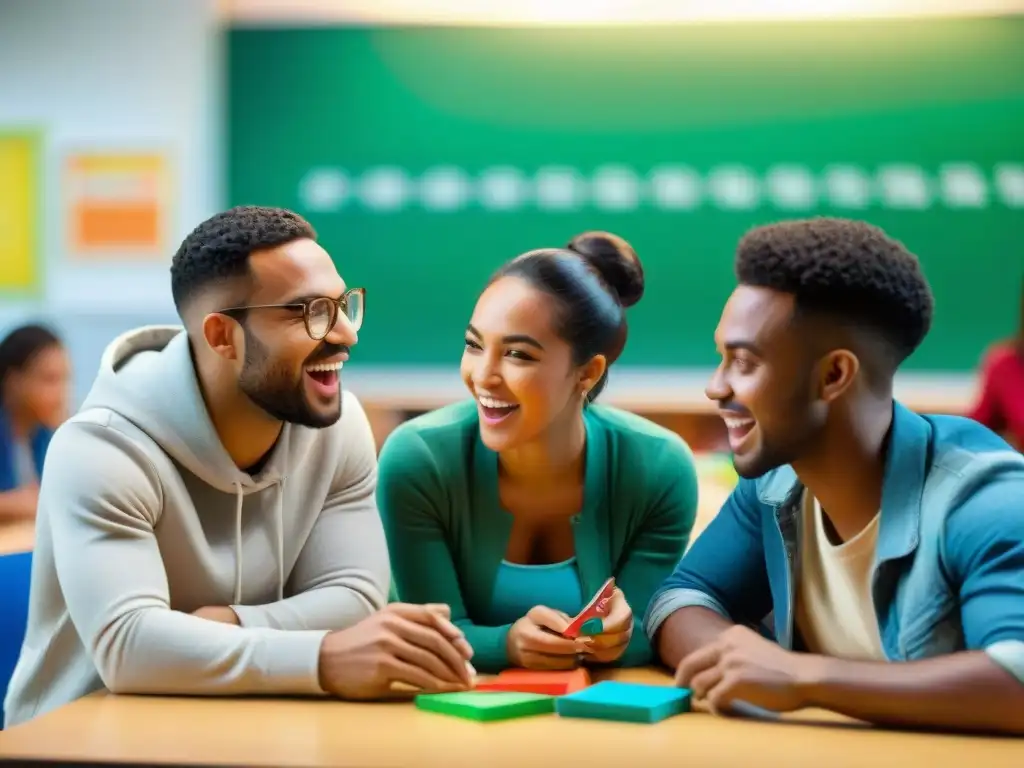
column 625, row 702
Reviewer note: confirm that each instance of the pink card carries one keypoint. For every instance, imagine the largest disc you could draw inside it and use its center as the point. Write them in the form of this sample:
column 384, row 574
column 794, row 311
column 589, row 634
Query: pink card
column 598, row 607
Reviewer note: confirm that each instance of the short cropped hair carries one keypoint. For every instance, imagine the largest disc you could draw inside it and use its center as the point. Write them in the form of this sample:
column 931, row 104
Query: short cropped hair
column 849, row 270
column 219, row 248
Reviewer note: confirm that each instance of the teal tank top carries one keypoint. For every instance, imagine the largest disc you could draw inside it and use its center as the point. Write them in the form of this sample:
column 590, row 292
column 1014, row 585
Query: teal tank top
column 518, row 588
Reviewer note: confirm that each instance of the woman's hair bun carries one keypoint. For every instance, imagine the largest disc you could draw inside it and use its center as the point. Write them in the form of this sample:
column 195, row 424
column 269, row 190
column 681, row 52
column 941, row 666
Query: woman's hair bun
column 615, row 261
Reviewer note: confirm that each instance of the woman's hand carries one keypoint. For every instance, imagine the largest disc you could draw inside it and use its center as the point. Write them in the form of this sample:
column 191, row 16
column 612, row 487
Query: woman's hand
column 536, row 642
column 617, row 629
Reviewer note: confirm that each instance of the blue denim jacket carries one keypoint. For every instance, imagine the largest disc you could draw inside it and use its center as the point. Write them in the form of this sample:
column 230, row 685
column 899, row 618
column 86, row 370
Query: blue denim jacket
column 949, row 566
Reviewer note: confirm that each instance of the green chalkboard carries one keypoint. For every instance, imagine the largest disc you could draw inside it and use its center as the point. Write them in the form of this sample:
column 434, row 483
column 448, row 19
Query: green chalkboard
column 427, row 156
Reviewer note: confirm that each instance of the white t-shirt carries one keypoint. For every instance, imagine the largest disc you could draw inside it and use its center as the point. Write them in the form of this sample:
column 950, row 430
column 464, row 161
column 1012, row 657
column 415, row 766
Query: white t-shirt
column 835, row 608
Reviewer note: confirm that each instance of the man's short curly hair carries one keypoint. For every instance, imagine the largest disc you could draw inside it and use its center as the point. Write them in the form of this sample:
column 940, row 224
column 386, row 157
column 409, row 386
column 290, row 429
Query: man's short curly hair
column 219, row 248
column 846, row 269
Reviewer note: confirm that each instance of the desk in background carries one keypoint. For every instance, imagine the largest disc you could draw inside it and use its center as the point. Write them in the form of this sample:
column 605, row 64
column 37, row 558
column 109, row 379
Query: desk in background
column 17, row 537
column 303, row 732
column 673, row 398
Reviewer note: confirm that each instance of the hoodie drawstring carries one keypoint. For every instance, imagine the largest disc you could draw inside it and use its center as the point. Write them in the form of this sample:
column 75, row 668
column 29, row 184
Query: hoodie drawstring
column 239, row 499
column 278, row 535
column 280, row 539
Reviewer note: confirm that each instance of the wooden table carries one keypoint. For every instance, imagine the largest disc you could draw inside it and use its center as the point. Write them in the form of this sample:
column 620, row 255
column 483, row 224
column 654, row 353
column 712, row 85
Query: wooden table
column 673, row 398
column 673, row 390
column 255, row 732
column 17, row 536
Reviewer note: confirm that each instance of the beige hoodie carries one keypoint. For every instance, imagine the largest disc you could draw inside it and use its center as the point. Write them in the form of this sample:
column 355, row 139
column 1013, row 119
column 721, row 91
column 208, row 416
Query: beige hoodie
column 143, row 518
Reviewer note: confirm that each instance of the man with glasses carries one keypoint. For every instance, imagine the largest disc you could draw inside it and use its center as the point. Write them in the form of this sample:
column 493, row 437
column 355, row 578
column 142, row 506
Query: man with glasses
column 207, row 521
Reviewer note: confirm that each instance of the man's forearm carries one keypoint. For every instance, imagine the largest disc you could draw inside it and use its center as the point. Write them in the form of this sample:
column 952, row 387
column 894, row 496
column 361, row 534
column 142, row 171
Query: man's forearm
column 964, row 692
column 686, row 630
column 160, row 651
column 330, row 607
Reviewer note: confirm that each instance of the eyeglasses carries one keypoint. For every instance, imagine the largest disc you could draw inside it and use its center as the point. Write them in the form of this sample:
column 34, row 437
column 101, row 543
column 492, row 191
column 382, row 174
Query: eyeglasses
column 320, row 314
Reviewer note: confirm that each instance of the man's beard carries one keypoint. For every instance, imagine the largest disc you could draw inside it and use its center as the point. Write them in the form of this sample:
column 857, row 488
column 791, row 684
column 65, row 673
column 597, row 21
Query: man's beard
column 272, row 387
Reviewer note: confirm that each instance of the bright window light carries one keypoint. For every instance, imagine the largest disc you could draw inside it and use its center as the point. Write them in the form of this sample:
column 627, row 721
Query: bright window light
column 548, row 12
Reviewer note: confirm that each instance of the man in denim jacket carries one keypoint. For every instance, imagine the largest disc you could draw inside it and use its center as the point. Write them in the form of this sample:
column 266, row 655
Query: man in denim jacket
column 860, row 533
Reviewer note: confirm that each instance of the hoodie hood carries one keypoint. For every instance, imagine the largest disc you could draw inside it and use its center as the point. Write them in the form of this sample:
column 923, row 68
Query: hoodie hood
column 148, row 377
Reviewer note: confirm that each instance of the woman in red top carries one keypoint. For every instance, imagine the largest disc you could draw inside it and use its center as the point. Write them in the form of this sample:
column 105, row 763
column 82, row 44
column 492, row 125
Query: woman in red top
column 1000, row 406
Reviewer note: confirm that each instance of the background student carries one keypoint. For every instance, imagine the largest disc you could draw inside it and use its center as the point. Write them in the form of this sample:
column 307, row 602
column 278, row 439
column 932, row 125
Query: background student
column 1000, row 403
column 34, row 390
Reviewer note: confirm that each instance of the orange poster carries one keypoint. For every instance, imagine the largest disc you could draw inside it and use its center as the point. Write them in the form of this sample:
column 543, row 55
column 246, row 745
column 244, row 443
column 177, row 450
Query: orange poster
column 117, row 206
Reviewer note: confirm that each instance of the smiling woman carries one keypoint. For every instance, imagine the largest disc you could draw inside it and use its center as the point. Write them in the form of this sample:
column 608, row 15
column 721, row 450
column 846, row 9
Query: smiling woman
column 516, row 505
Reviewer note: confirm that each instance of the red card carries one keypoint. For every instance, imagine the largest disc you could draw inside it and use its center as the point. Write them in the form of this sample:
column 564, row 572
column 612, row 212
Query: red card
column 598, row 607
column 537, row 681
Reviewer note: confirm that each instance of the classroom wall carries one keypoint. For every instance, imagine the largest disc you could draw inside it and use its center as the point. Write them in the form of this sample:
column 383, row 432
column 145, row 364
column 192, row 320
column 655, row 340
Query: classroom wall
column 121, row 75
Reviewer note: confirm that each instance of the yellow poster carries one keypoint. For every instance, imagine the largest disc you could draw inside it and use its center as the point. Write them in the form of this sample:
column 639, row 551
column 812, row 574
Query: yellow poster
column 117, row 205
column 19, row 211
